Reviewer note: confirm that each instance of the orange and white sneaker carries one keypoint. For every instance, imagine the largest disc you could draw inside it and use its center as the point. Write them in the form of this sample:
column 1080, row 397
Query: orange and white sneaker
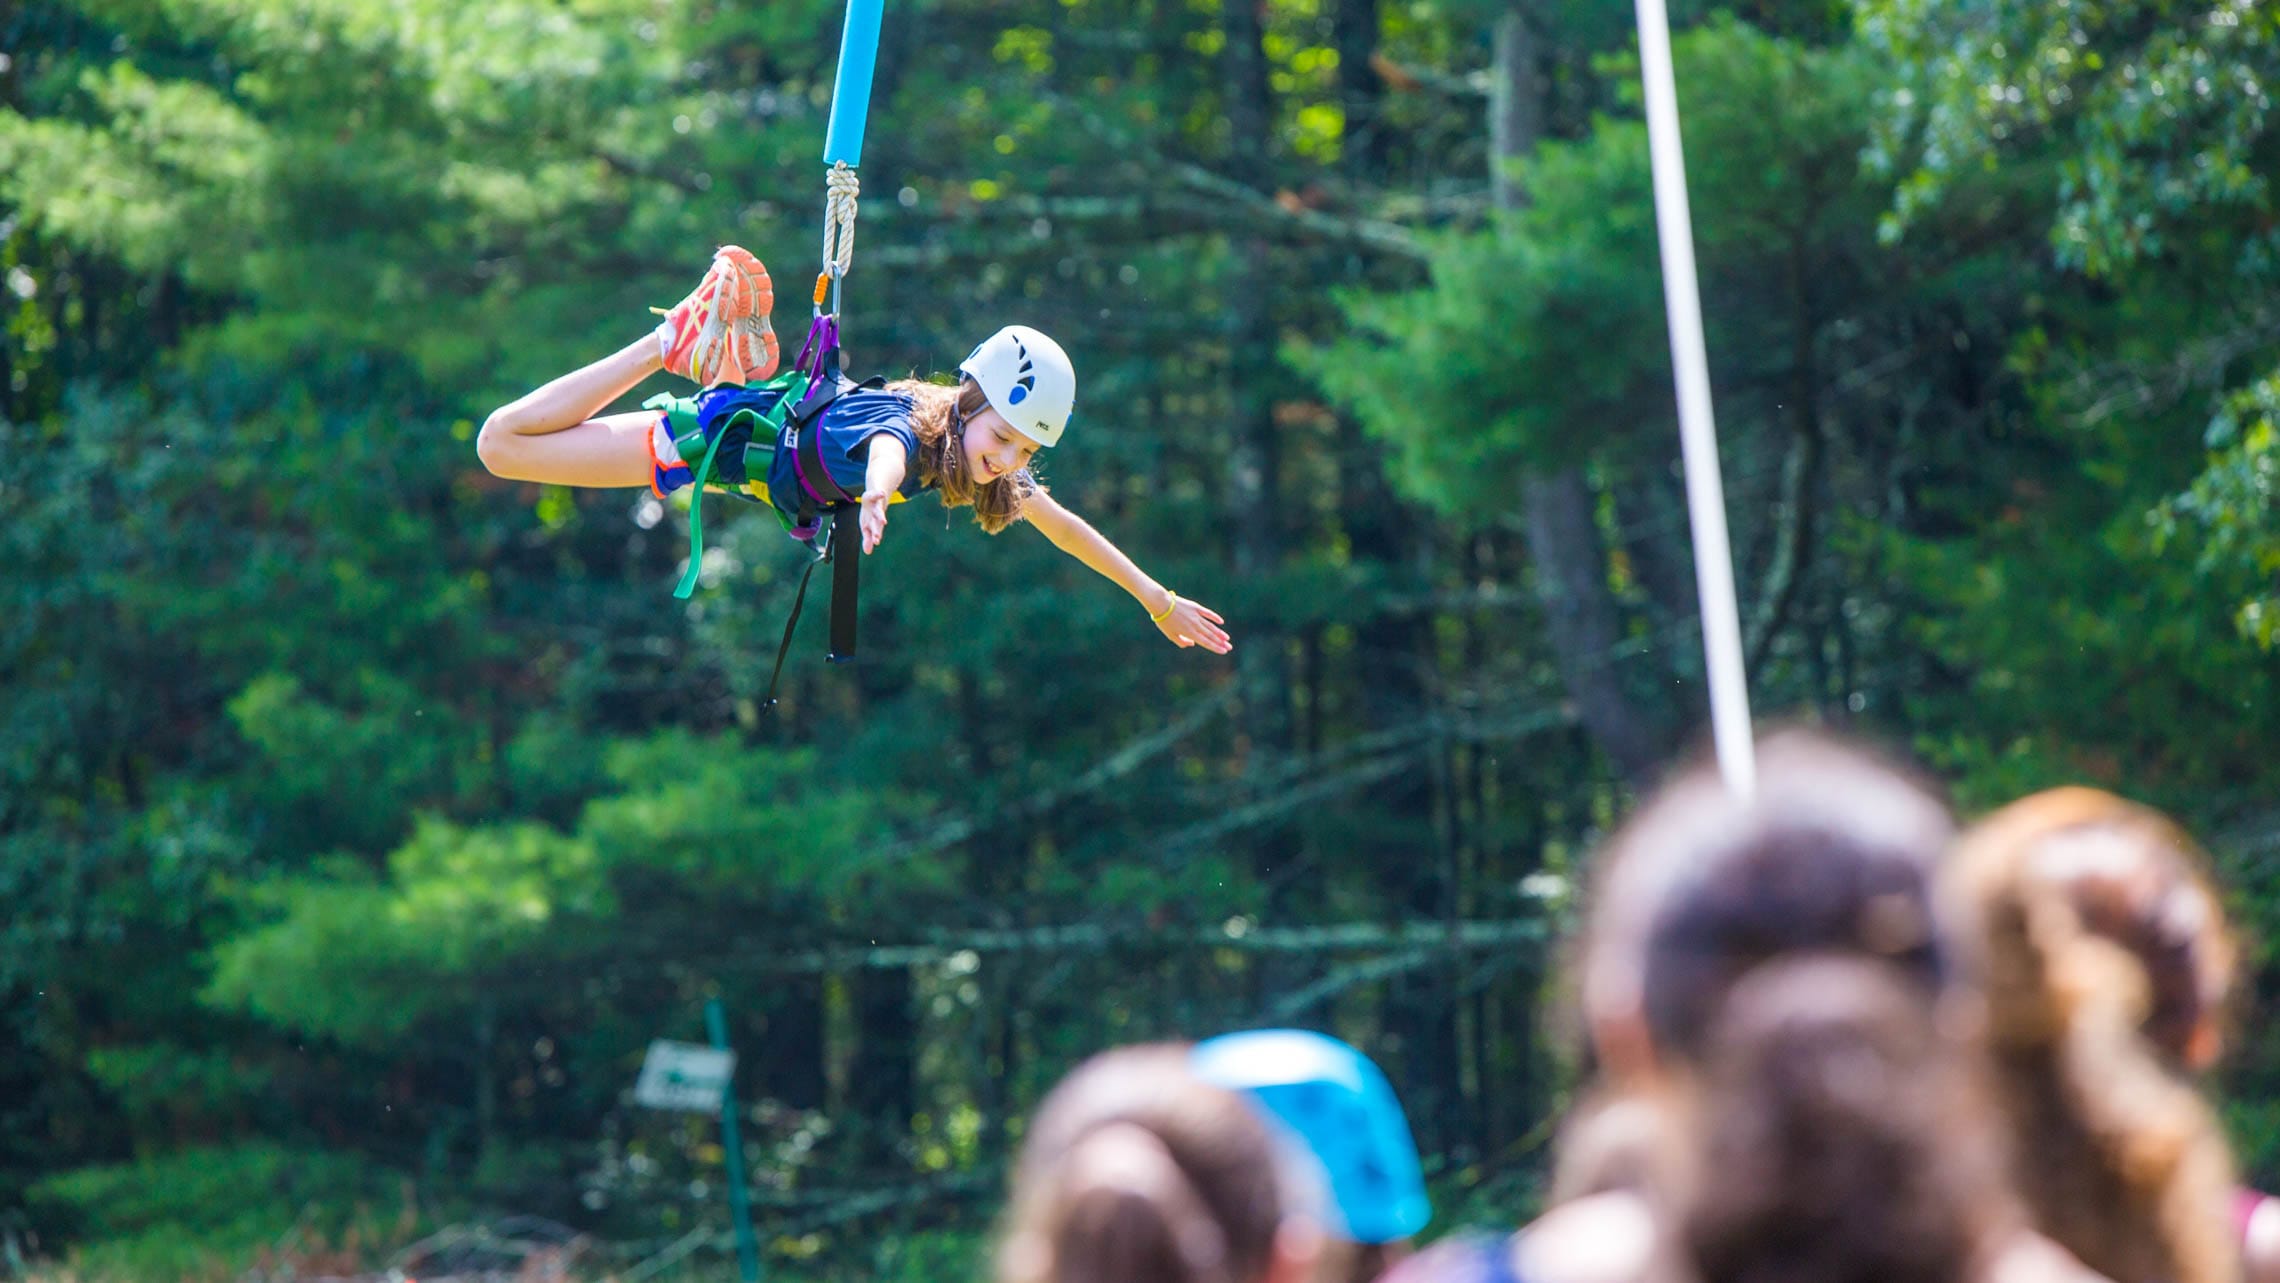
column 720, row 332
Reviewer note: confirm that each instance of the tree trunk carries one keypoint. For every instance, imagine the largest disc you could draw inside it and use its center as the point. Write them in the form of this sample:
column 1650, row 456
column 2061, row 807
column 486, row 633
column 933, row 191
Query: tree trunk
column 1361, row 90
column 486, row 1074
column 883, row 1080
column 1253, row 457
column 789, row 1058
column 1582, row 619
column 1515, row 106
column 1581, row 615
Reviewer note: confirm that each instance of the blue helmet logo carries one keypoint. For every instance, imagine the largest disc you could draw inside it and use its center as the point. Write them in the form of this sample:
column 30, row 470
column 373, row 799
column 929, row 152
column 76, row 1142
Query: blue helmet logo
column 1028, row 372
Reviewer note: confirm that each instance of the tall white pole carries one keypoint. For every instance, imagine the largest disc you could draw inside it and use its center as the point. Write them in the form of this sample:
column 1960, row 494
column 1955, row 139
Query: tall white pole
column 1697, row 430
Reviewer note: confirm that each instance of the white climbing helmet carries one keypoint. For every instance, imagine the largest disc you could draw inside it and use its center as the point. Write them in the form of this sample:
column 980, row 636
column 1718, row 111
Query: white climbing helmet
column 1028, row 379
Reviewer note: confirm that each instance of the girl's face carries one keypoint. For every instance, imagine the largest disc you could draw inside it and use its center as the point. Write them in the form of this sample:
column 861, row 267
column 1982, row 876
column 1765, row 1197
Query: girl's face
column 992, row 448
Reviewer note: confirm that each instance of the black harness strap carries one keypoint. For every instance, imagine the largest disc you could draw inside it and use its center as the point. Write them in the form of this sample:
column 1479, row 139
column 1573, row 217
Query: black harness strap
column 844, row 549
column 843, row 546
column 846, row 558
column 821, row 496
column 784, row 647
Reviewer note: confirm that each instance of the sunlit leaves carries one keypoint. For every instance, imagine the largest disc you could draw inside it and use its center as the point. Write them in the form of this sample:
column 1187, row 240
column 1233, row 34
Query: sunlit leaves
column 453, row 905
column 1524, row 336
column 170, row 182
column 2231, row 513
column 2161, row 112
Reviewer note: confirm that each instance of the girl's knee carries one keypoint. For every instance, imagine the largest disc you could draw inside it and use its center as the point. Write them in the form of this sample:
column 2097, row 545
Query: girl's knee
column 495, row 444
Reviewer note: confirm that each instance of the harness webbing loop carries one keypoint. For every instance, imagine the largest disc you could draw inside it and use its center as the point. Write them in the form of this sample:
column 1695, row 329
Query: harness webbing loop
column 791, row 389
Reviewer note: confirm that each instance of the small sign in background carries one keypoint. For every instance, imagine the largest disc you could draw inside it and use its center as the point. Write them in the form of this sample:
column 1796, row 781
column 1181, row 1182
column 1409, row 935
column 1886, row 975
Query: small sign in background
column 684, row 1075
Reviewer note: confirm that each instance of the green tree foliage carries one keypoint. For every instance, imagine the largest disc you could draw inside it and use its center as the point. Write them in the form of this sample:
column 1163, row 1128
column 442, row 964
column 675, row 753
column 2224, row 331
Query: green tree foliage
column 1437, row 372
column 2104, row 610
column 456, row 907
column 193, row 1211
column 2153, row 125
column 2157, row 115
column 2232, row 502
column 1541, row 343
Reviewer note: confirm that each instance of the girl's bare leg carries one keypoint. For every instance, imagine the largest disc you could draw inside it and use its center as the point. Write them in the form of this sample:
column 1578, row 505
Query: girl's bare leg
column 551, row 434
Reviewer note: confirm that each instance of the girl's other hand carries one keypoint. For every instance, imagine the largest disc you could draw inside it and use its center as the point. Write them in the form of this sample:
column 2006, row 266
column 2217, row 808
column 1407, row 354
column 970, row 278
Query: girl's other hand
column 875, row 518
column 1192, row 623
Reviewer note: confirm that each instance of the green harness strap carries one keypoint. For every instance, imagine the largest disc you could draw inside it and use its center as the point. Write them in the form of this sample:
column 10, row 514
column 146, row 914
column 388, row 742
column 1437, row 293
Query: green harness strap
column 791, row 388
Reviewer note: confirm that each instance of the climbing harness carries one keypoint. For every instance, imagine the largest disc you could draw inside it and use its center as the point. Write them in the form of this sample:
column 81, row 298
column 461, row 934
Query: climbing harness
column 743, row 431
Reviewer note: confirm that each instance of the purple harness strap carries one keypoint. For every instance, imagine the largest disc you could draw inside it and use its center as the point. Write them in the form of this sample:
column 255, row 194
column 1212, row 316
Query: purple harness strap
column 810, row 361
column 800, row 471
column 818, row 360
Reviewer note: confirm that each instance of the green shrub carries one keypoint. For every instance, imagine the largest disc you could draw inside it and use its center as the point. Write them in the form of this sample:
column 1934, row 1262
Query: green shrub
column 200, row 1213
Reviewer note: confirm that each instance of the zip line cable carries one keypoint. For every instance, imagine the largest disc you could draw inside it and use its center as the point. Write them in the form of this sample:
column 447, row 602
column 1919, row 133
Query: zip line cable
column 1698, row 431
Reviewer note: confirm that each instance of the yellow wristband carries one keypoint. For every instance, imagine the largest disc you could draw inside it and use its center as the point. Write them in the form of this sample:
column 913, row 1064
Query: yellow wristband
column 1169, row 606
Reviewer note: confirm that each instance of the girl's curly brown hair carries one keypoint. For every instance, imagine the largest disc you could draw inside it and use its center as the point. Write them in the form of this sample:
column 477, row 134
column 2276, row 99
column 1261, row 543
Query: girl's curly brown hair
column 938, row 414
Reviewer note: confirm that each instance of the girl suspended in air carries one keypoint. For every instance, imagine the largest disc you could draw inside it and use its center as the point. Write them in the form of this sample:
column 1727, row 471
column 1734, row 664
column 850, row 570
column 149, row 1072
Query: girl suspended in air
column 872, row 444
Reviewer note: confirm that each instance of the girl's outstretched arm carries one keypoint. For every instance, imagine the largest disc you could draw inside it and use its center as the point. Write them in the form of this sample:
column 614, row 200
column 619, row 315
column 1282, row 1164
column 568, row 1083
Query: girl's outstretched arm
column 552, row 435
column 882, row 476
column 1186, row 623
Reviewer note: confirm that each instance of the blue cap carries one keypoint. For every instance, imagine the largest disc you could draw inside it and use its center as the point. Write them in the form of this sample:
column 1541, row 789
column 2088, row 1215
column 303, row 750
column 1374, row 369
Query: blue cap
column 1343, row 1109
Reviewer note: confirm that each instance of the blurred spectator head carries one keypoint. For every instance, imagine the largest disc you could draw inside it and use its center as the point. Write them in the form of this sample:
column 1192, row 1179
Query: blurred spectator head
column 2105, row 962
column 1834, row 853
column 1835, row 1134
column 1774, row 1000
column 1135, row 1170
column 2113, row 871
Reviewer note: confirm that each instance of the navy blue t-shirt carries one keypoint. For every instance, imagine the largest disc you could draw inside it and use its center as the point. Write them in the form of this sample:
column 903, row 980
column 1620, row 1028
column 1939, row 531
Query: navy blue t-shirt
column 771, row 476
column 843, row 439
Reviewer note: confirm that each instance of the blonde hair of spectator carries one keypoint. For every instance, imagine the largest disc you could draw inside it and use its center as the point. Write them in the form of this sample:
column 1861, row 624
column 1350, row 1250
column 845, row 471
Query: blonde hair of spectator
column 2105, row 963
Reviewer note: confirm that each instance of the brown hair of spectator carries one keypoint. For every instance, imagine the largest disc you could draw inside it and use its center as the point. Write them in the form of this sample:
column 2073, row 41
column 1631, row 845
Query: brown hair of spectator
column 1773, row 975
column 1834, row 1135
column 1834, row 852
column 1135, row 1171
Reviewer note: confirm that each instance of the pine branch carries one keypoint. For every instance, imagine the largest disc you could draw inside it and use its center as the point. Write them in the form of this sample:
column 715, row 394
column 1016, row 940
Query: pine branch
column 1404, row 76
column 1266, row 212
column 1391, row 749
column 2139, row 387
column 1434, row 938
column 1366, row 233
column 1107, row 771
column 1350, row 976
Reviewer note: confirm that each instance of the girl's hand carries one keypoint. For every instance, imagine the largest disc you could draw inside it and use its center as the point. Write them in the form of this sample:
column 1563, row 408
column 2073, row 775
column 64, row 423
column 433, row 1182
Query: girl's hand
column 882, row 476
column 1191, row 623
column 875, row 517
